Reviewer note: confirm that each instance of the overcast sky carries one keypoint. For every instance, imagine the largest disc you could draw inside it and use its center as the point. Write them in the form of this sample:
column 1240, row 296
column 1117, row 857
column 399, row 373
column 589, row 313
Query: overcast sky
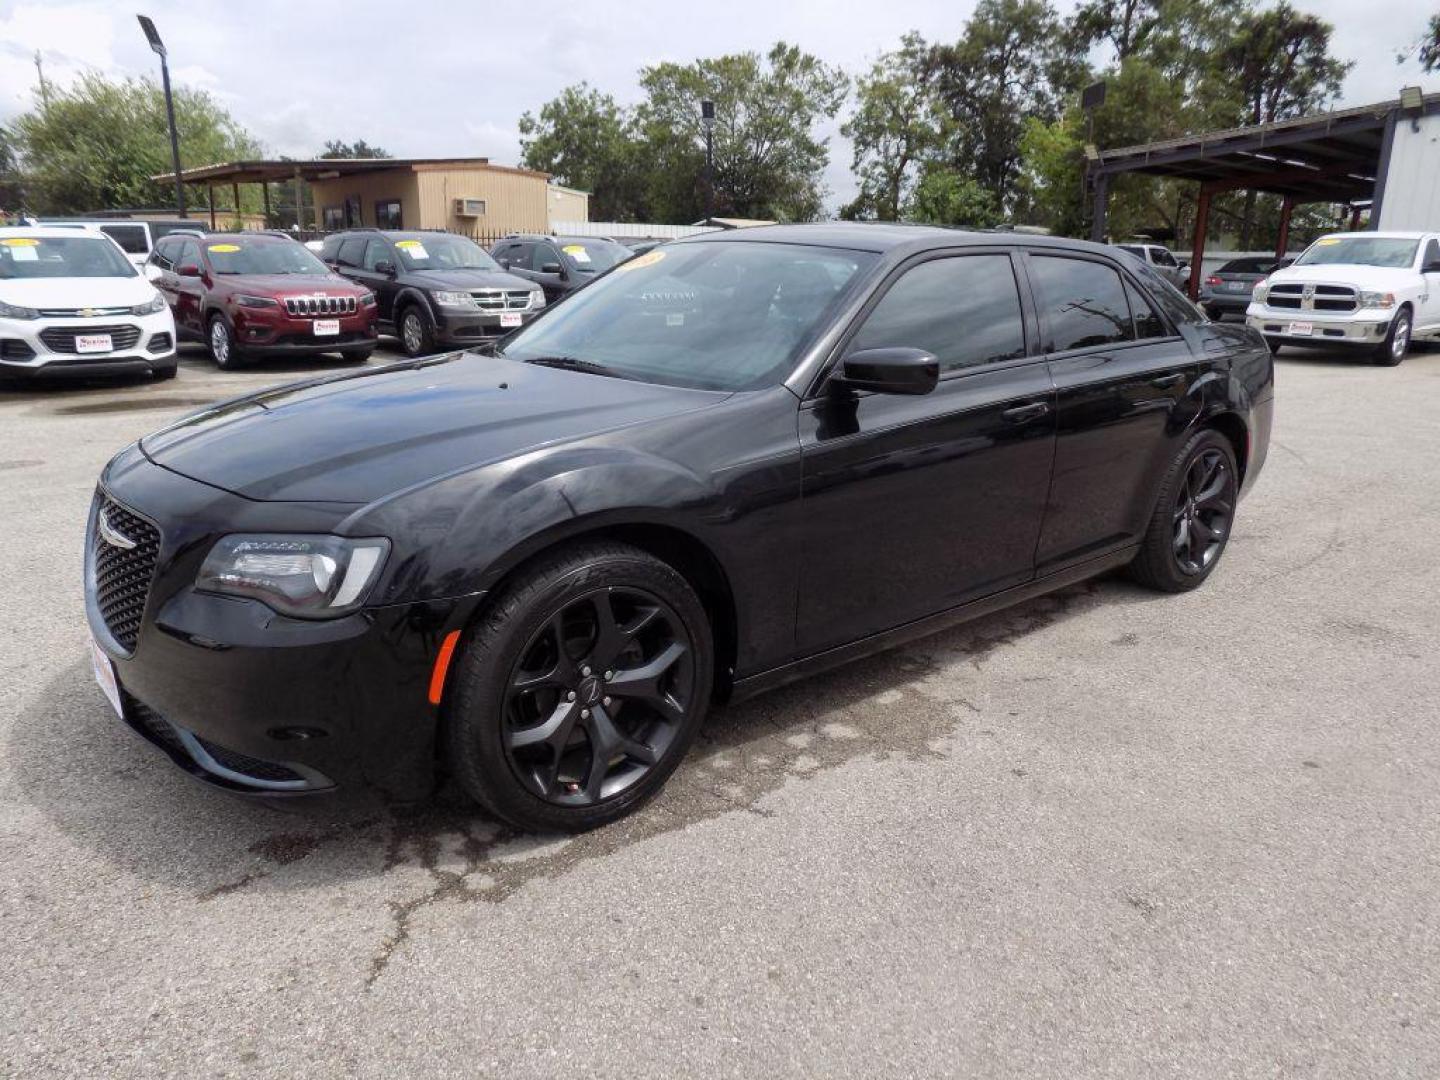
column 451, row 78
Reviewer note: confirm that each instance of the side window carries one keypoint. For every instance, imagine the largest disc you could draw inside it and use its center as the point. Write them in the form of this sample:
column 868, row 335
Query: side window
column 131, row 238
column 1163, row 257
column 162, row 255
column 375, row 253
column 387, row 214
column 1148, row 323
column 965, row 309
column 1432, row 254
column 1082, row 301
column 352, row 251
column 189, row 254
column 543, row 255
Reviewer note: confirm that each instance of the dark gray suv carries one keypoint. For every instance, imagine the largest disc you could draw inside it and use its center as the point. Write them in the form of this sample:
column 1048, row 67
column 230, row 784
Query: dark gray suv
column 558, row 264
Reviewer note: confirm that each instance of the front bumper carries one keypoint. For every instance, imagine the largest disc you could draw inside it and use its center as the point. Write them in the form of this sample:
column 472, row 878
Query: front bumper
column 1363, row 328
column 44, row 347
column 273, row 332
column 251, row 701
column 1228, row 303
column 459, row 326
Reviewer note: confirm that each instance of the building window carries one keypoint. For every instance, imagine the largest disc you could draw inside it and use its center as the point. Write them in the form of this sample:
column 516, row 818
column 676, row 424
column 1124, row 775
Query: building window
column 387, row 214
column 352, row 211
column 333, row 217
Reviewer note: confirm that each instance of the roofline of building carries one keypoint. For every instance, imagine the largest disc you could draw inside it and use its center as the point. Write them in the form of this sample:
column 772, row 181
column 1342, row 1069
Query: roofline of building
column 275, row 169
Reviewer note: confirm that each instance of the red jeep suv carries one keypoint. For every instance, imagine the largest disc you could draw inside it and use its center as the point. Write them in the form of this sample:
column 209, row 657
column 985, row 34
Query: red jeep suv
column 260, row 294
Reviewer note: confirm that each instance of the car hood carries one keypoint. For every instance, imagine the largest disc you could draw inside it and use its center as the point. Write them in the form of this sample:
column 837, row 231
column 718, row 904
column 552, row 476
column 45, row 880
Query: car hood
column 1342, row 274
column 357, row 438
column 291, row 284
column 466, row 279
column 79, row 292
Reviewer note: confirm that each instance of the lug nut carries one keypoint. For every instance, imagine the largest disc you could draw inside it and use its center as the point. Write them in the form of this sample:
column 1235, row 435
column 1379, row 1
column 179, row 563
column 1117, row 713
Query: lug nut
column 570, row 696
column 609, row 674
column 605, row 701
column 584, row 714
column 585, row 671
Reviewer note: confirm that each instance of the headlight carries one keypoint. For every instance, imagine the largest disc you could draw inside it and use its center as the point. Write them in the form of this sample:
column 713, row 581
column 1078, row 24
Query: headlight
column 150, row 307
column 13, row 311
column 308, row 577
column 256, row 301
column 1260, row 291
column 537, row 298
column 454, row 299
column 1377, row 299
column 367, row 299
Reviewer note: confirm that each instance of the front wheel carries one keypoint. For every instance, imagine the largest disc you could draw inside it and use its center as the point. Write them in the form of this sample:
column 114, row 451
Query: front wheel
column 1193, row 516
column 580, row 690
column 1397, row 342
column 222, row 344
column 357, row 356
column 415, row 335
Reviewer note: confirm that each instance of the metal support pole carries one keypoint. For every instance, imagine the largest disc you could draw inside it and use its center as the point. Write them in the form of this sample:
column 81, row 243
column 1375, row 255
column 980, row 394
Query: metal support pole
column 1354, row 218
column 1282, row 244
column 1100, row 207
column 1197, row 248
column 174, row 137
column 299, row 200
column 210, row 200
column 265, row 200
column 709, row 172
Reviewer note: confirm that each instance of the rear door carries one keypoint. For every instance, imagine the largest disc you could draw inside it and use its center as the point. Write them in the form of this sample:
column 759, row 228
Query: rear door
column 1428, row 318
column 1123, row 376
column 913, row 505
column 189, row 288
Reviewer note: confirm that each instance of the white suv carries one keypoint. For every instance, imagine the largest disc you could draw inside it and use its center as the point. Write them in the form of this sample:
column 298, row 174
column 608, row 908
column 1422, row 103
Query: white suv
column 71, row 303
column 1375, row 291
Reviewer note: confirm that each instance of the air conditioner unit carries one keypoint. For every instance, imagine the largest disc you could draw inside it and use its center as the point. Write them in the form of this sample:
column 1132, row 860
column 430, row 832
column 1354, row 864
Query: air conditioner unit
column 469, row 207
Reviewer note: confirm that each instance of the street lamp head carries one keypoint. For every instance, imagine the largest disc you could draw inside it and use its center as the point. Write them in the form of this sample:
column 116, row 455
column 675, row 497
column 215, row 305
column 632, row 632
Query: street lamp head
column 707, row 113
column 151, row 34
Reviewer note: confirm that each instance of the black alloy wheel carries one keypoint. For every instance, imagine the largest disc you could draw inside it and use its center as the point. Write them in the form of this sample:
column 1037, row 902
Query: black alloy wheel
column 1193, row 515
column 1203, row 507
column 597, row 696
column 579, row 688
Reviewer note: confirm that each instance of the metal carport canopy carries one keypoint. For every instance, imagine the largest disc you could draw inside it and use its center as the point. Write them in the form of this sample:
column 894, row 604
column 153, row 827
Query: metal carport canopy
column 1329, row 157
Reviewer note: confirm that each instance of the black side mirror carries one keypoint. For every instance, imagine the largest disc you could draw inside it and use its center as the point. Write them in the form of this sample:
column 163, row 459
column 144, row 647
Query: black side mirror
column 552, row 268
column 386, row 267
column 896, row 370
column 504, row 263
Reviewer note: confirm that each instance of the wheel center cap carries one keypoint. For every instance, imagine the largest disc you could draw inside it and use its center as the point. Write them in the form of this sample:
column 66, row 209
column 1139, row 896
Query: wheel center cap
column 590, row 691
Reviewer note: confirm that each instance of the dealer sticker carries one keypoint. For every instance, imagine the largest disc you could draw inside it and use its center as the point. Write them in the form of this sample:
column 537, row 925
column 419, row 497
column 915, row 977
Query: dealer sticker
column 510, row 318
column 1302, row 329
column 224, row 249
column 104, row 670
column 327, row 327
column 93, row 343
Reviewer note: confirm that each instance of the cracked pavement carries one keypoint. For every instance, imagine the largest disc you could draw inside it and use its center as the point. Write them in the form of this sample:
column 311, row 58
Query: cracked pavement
column 1104, row 834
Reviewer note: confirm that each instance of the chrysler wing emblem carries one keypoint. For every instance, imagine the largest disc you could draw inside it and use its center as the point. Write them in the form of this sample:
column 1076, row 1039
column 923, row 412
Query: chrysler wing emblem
column 113, row 536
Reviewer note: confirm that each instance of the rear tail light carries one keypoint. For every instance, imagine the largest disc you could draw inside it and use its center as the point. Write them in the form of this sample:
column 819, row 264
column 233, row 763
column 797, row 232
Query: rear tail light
column 1213, row 280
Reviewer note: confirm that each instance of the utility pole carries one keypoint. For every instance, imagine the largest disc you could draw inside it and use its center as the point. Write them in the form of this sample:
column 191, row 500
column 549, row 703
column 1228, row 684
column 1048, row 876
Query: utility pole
column 158, row 47
column 707, row 118
column 44, row 86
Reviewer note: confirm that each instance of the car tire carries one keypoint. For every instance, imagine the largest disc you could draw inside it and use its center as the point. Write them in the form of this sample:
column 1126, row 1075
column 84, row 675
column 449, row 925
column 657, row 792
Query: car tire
column 413, row 327
column 357, row 356
column 538, row 683
column 1274, row 344
column 221, row 343
column 1216, row 314
column 1396, row 345
column 160, row 374
column 1193, row 516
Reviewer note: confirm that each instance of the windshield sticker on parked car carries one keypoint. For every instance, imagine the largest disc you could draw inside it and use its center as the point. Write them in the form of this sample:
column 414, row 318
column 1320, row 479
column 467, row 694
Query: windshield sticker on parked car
column 1327, row 241
column 414, row 248
column 577, row 252
column 22, row 248
column 20, row 241
column 650, row 258
column 224, row 249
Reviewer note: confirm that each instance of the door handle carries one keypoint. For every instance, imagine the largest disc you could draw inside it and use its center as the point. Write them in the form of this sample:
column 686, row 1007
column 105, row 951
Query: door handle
column 1166, row 381
column 1021, row 413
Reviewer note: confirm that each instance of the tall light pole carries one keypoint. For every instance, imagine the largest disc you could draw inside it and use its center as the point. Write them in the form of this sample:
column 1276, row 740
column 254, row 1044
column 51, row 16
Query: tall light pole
column 707, row 118
column 153, row 37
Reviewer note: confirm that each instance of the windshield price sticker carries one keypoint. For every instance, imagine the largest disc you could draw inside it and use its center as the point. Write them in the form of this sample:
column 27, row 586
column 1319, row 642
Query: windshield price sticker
column 414, row 248
column 1327, row 241
column 20, row 242
column 650, row 258
column 576, row 252
column 224, row 249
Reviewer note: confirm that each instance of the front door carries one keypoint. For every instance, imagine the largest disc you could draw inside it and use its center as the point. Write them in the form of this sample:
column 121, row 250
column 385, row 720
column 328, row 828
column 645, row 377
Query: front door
column 190, row 289
column 374, row 275
column 1123, row 377
column 913, row 505
column 548, row 271
column 1428, row 317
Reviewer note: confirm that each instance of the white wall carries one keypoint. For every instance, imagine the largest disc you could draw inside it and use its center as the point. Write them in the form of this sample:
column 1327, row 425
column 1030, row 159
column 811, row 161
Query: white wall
column 1412, row 196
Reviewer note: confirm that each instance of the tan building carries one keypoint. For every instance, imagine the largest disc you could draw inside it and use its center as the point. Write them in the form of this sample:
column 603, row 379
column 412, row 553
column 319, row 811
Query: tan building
column 463, row 195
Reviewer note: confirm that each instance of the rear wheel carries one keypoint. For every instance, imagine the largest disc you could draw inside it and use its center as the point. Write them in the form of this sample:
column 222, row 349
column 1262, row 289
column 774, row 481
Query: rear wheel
column 415, row 336
column 358, row 356
column 1397, row 342
column 580, row 690
column 1193, row 515
column 222, row 344
column 1274, row 344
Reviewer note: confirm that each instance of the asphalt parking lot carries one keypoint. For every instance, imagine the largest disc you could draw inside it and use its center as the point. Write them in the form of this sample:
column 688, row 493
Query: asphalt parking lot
column 1105, row 834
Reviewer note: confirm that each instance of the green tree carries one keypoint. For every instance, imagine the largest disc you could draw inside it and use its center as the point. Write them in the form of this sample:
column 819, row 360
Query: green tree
column 769, row 158
column 897, row 126
column 585, row 140
column 943, row 196
column 12, row 190
column 1427, row 49
column 338, row 148
column 96, row 145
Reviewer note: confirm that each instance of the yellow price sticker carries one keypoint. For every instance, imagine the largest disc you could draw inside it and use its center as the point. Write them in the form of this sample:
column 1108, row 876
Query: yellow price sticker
column 407, row 243
column 224, row 249
column 20, row 241
column 650, row 258
column 1327, row 241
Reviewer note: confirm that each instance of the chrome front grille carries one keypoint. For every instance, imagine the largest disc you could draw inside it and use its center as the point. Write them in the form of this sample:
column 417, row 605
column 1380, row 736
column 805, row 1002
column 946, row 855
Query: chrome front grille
column 502, row 299
column 319, row 306
column 1299, row 296
column 83, row 313
column 61, row 339
column 124, row 550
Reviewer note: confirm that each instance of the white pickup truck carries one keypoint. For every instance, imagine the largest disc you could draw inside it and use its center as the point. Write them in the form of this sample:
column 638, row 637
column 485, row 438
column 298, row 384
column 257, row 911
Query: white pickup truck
column 1376, row 291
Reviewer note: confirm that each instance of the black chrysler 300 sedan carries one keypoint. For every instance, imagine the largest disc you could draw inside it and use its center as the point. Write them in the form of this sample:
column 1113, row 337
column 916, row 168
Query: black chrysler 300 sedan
column 729, row 462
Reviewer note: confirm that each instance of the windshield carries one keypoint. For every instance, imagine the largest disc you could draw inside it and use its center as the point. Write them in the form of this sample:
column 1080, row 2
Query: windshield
column 1388, row 251
column 594, row 256
column 62, row 257
column 264, row 257
column 710, row 315
column 443, row 252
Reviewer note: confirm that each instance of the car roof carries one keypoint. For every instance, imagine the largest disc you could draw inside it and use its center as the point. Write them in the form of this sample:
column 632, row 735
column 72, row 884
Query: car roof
column 1389, row 234
column 889, row 236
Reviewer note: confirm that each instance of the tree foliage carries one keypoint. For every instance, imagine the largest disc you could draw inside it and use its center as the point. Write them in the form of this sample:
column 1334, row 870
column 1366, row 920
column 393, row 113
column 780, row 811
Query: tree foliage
column 96, row 145
column 338, row 148
column 585, row 140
